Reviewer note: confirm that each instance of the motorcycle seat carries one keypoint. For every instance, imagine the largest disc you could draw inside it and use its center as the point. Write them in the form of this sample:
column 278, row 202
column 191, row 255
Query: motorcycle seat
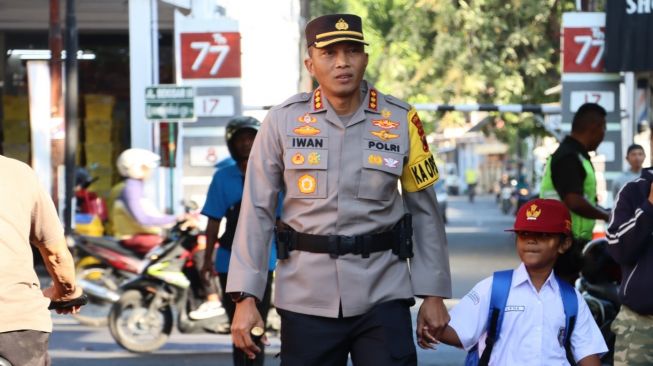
column 605, row 290
column 111, row 243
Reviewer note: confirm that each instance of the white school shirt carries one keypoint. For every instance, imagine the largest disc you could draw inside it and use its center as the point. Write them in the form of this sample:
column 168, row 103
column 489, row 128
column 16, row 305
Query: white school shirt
column 533, row 324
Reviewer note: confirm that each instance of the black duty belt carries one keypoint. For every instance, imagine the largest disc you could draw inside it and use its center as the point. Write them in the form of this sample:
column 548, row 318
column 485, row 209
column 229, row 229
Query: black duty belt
column 336, row 245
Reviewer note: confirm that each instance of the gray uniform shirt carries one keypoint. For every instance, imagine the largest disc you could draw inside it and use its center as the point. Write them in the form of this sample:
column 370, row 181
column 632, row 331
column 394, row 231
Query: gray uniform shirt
column 340, row 179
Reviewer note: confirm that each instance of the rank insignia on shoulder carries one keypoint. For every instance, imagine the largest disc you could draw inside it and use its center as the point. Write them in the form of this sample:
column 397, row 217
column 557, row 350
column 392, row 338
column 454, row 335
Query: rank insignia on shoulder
column 314, row 158
column 306, row 118
column 317, row 100
column 372, row 104
column 375, row 159
column 385, row 124
column 306, row 130
column 386, row 113
column 384, row 135
column 307, row 184
column 297, row 159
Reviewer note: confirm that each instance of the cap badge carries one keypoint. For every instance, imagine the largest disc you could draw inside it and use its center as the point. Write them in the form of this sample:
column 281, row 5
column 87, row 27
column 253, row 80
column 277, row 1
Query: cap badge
column 306, row 118
column 298, row 159
column 533, row 212
column 341, row 25
column 306, row 184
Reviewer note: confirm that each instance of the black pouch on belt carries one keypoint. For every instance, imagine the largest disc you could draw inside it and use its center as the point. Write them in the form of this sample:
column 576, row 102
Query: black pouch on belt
column 404, row 232
column 283, row 243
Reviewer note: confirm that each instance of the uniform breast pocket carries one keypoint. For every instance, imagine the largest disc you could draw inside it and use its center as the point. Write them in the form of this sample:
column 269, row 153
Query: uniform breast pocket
column 380, row 175
column 306, row 174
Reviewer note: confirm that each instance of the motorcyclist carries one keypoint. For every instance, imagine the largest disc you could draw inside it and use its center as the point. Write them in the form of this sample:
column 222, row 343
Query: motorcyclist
column 223, row 202
column 138, row 224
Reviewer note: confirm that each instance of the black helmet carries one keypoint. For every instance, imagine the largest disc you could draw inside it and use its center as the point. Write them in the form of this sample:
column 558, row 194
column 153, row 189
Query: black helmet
column 236, row 124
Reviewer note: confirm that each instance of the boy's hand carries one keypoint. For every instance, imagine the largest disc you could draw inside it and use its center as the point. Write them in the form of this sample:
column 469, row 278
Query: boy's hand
column 432, row 320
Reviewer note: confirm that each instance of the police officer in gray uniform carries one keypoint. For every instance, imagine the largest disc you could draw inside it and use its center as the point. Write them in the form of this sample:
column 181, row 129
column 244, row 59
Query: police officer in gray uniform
column 343, row 282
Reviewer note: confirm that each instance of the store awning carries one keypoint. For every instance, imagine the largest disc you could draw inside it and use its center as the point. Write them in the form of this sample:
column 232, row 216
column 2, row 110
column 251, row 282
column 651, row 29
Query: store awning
column 629, row 35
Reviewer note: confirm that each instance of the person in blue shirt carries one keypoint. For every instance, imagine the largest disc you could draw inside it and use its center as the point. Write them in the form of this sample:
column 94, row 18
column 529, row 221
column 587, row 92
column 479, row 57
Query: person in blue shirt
column 223, row 202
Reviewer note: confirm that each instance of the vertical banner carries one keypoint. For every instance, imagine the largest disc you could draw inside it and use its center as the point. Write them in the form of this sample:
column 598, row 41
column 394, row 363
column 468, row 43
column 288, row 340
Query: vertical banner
column 38, row 79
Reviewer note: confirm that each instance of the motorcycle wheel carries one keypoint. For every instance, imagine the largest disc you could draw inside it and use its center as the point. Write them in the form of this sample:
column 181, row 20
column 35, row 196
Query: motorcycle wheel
column 95, row 313
column 137, row 329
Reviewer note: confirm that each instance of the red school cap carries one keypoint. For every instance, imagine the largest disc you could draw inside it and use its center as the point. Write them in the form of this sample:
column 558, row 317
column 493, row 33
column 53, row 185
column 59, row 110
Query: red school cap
column 543, row 216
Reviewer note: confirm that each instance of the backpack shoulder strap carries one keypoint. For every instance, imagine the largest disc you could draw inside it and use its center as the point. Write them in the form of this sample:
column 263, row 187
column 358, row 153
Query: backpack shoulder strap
column 501, row 282
column 570, row 304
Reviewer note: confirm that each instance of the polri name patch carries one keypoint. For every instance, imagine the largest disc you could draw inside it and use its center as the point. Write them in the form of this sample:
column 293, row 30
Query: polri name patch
column 307, row 142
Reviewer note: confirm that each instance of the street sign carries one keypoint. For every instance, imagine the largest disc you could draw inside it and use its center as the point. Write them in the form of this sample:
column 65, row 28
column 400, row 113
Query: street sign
column 210, row 55
column 584, row 48
column 170, row 103
column 215, row 106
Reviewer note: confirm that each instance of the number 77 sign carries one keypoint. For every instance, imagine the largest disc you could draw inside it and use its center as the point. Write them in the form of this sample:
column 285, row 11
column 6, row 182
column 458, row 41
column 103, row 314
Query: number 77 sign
column 210, row 55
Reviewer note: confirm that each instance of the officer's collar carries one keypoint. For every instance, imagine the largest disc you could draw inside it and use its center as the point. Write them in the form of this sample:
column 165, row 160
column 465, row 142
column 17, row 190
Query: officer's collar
column 370, row 99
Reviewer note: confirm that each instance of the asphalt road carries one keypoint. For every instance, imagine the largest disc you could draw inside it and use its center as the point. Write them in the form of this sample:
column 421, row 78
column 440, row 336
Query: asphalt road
column 477, row 245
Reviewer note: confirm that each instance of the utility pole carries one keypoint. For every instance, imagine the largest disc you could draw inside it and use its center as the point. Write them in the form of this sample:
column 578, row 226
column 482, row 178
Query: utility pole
column 72, row 101
column 56, row 108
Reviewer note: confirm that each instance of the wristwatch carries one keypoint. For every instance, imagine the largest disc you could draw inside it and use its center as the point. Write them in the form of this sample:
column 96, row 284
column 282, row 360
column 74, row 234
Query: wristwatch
column 240, row 296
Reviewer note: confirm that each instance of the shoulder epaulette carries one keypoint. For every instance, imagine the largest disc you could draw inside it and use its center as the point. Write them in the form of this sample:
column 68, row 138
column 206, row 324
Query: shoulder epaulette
column 297, row 98
column 398, row 102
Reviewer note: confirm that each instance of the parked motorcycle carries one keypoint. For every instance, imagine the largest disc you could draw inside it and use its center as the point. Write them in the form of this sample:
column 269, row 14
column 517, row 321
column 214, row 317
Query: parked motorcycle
column 599, row 285
column 143, row 317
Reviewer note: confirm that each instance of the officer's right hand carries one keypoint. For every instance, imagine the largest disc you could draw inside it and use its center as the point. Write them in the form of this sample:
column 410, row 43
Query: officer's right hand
column 246, row 318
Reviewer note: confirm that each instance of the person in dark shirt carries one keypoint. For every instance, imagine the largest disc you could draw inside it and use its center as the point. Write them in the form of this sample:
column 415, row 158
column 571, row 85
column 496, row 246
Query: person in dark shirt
column 569, row 177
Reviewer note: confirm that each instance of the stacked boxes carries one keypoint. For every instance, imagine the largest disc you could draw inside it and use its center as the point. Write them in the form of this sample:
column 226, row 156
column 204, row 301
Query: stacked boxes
column 101, row 141
column 16, row 127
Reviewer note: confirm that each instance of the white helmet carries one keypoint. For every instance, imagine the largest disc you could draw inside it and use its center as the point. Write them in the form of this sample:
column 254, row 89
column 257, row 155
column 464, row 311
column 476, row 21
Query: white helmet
column 132, row 161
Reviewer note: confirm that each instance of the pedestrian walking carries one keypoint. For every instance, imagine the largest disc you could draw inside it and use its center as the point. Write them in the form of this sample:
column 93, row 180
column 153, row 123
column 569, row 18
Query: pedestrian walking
column 630, row 238
column 532, row 323
column 343, row 285
column 28, row 217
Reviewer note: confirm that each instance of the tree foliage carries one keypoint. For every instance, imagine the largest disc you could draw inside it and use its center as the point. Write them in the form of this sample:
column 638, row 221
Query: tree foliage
column 462, row 51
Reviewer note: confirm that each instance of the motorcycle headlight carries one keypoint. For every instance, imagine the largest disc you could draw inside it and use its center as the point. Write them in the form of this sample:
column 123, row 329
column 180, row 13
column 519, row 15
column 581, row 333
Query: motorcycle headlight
column 523, row 192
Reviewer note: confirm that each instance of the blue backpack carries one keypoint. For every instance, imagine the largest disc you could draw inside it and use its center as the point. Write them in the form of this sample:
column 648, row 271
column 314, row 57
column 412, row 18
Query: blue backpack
column 501, row 282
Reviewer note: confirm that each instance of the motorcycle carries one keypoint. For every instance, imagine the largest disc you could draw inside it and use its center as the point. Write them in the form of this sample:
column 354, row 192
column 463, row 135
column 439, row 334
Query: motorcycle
column 103, row 265
column 505, row 196
column 143, row 317
column 599, row 286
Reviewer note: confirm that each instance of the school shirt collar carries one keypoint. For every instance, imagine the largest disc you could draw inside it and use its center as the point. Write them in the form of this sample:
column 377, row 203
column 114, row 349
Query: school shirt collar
column 520, row 276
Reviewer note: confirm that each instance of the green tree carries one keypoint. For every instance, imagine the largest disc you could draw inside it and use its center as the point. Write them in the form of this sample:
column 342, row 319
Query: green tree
column 464, row 51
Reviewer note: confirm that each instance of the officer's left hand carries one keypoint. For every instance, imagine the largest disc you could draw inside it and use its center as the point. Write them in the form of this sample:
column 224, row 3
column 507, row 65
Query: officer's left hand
column 432, row 320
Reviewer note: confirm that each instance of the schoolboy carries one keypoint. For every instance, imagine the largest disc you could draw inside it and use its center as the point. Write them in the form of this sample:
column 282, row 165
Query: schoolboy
column 534, row 318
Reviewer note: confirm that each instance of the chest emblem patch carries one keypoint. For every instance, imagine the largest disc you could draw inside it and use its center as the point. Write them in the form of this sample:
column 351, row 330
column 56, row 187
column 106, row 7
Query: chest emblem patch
column 384, row 135
column 306, row 118
column 306, row 130
column 298, row 159
column 386, row 113
column 390, row 162
column 385, row 123
column 375, row 159
column 314, row 158
column 307, row 184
